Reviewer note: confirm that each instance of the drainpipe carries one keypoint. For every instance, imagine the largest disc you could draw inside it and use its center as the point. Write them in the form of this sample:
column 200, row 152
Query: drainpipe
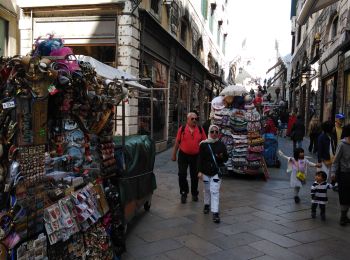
column 116, row 42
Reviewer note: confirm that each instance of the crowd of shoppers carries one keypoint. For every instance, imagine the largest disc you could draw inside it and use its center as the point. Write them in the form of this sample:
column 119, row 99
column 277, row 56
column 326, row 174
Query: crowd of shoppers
column 205, row 156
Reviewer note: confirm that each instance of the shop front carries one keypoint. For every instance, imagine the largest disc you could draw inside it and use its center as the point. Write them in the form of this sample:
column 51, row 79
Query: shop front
column 153, row 106
column 182, row 78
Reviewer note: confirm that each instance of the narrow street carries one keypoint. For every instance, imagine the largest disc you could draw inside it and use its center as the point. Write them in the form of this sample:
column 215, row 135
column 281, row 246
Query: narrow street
column 259, row 220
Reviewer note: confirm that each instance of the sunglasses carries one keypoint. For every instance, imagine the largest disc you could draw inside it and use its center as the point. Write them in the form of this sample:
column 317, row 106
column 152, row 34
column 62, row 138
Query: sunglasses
column 194, row 118
column 212, row 132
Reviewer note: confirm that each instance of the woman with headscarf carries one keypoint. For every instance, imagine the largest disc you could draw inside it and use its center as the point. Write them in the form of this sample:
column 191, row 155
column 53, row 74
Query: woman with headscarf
column 340, row 171
column 212, row 155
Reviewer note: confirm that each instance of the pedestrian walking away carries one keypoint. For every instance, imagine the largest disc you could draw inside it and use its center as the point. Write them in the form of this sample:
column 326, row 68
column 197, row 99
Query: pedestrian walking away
column 297, row 133
column 340, row 171
column 291, row 121
column 314, row 132
column 326, row 147
column 212, row 155
column 186, row 144
column 319, row 194
column 298, row 168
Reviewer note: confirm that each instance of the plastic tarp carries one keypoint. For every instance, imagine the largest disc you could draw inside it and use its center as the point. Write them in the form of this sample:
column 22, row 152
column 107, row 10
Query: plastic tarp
column 111, row 73
column 138, row 180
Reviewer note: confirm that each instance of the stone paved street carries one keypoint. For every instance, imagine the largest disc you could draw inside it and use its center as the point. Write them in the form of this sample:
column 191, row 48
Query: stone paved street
column 259, row 220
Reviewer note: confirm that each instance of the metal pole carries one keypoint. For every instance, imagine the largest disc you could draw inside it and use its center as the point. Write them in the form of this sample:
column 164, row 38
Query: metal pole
column 123, row 116
column 152, row 113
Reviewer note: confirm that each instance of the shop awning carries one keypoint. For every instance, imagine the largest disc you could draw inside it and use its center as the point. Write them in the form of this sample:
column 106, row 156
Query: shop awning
column 276, row 77
column 111, row 73
column 279, row 62
column 312, row 6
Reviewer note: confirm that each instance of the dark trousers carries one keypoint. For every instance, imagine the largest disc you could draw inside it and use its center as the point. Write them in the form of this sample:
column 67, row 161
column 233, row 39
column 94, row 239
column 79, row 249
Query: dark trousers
column 322, row 208
column 185, row 161
column 313, row 143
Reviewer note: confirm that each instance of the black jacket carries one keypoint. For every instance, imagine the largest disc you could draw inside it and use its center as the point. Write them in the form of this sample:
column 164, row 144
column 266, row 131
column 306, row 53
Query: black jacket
column 323, row 147
column 298, row 131
column 206, row 163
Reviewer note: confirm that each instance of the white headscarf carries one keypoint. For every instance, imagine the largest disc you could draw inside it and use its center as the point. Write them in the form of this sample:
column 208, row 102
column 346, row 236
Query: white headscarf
column 211, row 140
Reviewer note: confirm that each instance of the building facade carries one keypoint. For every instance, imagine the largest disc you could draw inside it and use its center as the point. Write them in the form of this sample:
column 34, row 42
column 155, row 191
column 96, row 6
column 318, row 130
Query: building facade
column 9, row 45
column 176, row 47
column 320, row 63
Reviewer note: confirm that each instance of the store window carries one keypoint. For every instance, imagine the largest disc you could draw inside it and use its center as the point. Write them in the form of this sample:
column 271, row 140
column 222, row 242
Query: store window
column 153, row 109
column 3, row 37
column 334, row 27
column 174, row 18
column 199, row 50
column 183, row 32
column 155, row 6
column 105, row 53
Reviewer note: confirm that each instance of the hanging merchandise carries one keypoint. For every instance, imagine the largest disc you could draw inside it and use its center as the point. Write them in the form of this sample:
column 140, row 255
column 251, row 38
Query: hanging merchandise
column 62, row 172
column 240, row 125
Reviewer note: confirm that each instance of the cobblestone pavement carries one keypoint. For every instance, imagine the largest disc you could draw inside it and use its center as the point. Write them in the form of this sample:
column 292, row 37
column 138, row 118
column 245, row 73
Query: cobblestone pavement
column 259, row 220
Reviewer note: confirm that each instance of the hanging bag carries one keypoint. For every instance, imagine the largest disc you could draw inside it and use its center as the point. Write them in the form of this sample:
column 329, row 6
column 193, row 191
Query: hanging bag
column 219, row 172
column 301, row 176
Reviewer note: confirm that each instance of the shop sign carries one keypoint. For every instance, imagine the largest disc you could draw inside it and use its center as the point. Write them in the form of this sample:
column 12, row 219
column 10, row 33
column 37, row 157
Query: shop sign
column 9, row 104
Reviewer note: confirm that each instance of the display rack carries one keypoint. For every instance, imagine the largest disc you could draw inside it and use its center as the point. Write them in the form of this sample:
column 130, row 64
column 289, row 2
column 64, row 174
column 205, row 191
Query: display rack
column 64, row 175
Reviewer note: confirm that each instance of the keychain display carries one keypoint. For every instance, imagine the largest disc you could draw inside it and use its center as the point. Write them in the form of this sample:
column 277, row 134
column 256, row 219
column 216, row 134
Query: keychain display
column 57, row 155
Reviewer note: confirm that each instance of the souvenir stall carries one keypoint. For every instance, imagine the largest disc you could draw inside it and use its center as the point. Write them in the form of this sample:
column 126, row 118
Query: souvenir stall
column 240, row 124
column 60, row 167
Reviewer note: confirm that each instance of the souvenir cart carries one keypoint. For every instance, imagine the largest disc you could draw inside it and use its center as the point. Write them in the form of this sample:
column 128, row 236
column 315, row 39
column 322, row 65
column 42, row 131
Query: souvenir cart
column 59, row 164
column 234, row 112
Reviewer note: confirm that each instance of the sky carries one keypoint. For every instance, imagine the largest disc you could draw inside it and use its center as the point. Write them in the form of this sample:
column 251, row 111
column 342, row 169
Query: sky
column 260, row 23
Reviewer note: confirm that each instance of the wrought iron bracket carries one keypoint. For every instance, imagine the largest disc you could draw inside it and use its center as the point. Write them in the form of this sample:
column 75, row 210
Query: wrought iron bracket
column 135, row 4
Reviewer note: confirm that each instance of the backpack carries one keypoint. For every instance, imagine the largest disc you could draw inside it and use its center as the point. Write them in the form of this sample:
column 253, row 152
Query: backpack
column 201, row 130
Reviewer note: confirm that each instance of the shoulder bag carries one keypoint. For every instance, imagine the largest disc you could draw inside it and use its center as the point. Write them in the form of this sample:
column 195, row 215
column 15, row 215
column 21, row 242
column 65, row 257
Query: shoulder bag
column 301, row 176
column 219, row 172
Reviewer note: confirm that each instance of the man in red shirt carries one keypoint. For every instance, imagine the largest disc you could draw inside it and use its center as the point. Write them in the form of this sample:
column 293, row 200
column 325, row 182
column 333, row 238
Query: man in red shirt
column 187, row 142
